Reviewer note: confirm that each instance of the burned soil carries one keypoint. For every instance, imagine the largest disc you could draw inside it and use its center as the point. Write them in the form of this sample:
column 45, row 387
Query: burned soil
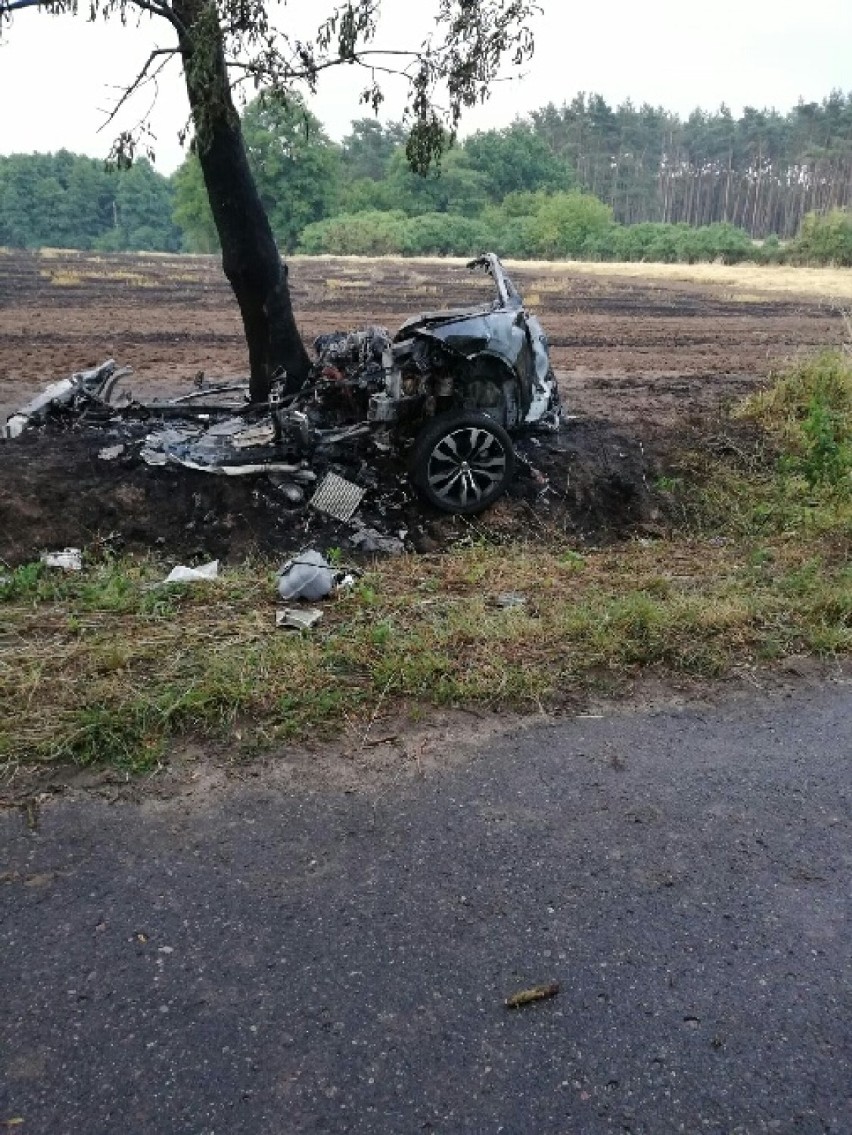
column 642, row 366
column 588, row 482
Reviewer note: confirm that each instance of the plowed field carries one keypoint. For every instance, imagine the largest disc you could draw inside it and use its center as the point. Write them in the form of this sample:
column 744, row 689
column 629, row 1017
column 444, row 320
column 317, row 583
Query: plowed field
column 633, row 351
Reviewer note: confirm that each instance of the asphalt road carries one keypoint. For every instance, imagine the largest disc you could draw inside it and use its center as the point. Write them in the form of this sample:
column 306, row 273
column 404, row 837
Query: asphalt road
column 272, row 961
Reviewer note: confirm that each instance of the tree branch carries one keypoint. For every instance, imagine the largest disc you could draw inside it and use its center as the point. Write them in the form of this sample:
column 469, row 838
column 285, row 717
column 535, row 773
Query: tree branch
column 56, row 7
column 138, row 81
column 291, row 74
column 14, row 5
column 160, row 10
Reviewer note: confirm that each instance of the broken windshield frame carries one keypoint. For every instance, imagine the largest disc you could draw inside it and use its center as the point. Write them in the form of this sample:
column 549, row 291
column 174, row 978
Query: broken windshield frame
column 508, row 295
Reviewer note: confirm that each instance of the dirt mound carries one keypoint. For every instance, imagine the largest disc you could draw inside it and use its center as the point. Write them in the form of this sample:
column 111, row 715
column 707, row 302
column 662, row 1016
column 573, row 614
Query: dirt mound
column 589, row 482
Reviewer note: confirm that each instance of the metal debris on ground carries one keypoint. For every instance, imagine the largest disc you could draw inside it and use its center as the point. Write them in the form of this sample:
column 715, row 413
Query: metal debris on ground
column 371, row 541
column 529, row 996
column 205, row 573
column 84, row 389
column 308, row 576
column 337, row 497
column 153, row 456
column 69, row 559
column 261, row 434
column 297, row 618
column 110, row 452
column 291, row 492
column 233, row 448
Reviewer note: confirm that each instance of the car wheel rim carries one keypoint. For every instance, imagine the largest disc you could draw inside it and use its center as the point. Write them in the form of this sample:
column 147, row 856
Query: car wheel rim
column 466, row 465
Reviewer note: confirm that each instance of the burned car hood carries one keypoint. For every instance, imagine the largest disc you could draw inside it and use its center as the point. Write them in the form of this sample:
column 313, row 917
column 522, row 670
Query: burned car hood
column 469, row 333
column 433, row 321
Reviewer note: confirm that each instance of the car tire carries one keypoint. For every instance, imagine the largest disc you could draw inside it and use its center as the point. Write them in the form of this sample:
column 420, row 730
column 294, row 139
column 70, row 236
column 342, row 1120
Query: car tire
column 462, row 461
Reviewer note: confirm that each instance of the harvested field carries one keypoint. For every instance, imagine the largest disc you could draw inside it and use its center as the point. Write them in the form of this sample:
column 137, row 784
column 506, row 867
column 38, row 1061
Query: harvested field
column 643, row 362
column 631, row 348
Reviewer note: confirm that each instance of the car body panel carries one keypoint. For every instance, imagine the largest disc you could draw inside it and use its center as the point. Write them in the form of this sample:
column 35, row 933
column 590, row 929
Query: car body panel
column 486, row 348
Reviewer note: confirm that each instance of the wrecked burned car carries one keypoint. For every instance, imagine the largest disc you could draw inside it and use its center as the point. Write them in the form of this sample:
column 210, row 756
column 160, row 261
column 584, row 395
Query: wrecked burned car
column 447, row 392
column 452, row 386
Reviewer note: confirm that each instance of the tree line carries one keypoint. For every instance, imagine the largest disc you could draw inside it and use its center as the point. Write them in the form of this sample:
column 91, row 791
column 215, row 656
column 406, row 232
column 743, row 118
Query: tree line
column 70, row 201
column 581, row 180
column 763, row 172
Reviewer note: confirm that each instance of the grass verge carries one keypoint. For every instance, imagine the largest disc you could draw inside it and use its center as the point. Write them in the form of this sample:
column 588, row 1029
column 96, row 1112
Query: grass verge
column 109, row 666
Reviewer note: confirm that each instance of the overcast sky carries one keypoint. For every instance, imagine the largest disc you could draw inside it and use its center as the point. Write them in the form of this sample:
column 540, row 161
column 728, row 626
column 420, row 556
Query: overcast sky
column 57, row 75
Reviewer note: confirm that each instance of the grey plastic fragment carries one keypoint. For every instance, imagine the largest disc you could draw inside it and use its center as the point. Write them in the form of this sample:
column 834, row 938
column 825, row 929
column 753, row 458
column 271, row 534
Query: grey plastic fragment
column 308, row 576
column 110, row 452
column 370, row 540
column 295, row 494
column 297, row 618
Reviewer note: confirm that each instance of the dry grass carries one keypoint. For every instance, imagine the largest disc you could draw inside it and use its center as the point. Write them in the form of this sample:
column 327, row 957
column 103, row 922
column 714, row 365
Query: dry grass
column 745, row 282
column 107, row 667
column 74, row 279
column 830, row 283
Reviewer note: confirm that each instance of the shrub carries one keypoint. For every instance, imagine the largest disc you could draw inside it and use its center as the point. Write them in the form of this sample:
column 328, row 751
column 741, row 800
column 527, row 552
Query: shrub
column 355, row 234
column 825, row 238
column 564, row 222
column 809, row 409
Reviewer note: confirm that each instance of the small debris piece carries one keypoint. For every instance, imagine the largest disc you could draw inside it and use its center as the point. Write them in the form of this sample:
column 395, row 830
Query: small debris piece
column 510, row 599
column 308, row 576
column 111, row 452
column 95, row 385
column 528, row 996
column 153, row 456
column 337, row 497
column 261, row 434
column 243, row 470
column 181, row 574
column 297, row 618
column 292, row 492
column 305, row 476
column 370, row 540
column 71, row 559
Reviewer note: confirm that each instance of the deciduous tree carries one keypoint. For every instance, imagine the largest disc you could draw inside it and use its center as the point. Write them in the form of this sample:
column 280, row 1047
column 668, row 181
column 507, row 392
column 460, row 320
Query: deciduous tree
column 220, row 42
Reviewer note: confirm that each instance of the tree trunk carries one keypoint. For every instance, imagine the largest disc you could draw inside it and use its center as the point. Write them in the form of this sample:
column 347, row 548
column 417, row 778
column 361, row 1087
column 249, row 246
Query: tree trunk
column 250, row 258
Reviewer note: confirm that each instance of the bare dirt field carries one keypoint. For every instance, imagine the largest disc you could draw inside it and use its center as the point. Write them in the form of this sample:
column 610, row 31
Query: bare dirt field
column 642, row 360
column 631, row 348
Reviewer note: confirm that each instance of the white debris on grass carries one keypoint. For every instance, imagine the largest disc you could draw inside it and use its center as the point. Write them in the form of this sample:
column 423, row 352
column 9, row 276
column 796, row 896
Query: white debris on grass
column 205, row 573
column 69, row 559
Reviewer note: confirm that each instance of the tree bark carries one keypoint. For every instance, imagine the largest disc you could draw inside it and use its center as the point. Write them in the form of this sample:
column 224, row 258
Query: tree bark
column 250, row 257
